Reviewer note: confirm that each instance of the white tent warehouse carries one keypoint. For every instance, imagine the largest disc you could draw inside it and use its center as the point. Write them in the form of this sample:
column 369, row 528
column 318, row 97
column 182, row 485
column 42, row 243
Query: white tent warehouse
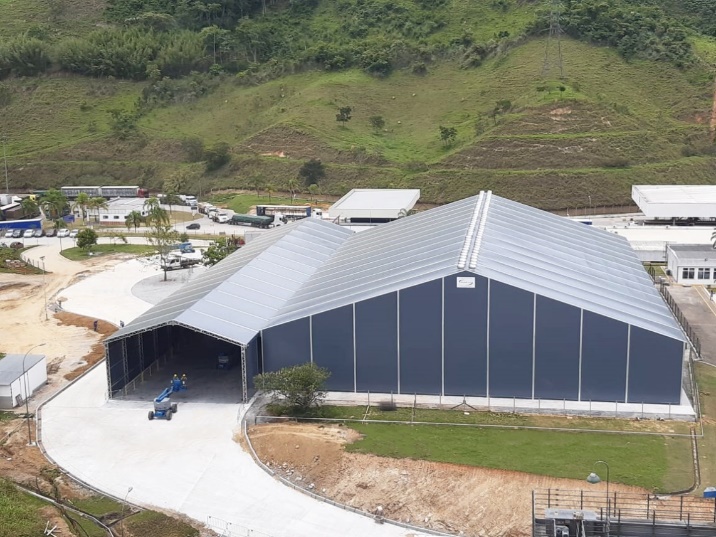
column 481, row 297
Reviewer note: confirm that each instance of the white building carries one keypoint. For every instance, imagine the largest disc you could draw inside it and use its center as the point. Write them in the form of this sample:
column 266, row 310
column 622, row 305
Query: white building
column 676, row 203
column 373, row 206
column 118, row 209
column 14, row 385
column 692, row 264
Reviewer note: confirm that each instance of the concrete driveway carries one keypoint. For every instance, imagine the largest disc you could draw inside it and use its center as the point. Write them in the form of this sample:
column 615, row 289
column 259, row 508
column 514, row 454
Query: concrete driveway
column 191, row 464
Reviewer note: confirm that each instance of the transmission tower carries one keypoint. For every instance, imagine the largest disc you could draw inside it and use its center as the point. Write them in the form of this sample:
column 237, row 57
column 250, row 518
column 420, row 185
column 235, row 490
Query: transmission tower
column 553, row 65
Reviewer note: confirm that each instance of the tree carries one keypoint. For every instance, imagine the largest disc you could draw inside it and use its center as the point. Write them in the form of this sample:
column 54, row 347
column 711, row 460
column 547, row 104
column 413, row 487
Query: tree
column 377, row 122
column 257, row 184
column 448, row 135
column 81, row 203
column 344, row 115
column 134, row 219
column 312, row 171
column 29, row 208
column 95, row 204
column 218, row 251
column 300, row 387
column 313, row 190
column 292, row 187
column 270, row 189
column 156, row 214
column 171, row 199
column 86, row 239
column 53, row 203
column 163, row 237
column 216, row 156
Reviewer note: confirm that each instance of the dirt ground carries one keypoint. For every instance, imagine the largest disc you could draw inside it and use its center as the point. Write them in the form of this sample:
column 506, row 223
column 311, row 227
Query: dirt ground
column 475, row 501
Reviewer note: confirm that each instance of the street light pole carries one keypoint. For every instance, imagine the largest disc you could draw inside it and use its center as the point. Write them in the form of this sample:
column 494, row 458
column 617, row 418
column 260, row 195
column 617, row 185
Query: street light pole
column 44, row 285
column 123, row 506
column 594, row 478
column 27, row 394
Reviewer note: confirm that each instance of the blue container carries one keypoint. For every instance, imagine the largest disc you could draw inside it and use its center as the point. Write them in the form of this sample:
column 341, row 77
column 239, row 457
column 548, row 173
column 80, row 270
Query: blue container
column 710, row 492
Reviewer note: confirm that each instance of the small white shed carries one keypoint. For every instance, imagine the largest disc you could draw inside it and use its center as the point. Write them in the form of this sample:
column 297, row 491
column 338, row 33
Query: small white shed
column 14, row 385
column 692, row 264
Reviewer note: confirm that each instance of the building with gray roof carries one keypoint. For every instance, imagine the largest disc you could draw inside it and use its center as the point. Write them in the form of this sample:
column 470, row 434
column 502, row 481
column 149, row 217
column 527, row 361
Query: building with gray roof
column 692, row 264
column 481, row 297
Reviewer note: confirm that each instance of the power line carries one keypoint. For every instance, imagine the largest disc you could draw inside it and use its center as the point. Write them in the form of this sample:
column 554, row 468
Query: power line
column 553, row 50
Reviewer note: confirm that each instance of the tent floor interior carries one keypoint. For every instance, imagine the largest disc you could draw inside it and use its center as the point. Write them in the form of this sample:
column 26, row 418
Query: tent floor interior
column 205, row 383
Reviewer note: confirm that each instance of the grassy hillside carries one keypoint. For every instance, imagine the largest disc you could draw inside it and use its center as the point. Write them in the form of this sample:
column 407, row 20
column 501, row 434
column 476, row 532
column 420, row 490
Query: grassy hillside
column 586, row 139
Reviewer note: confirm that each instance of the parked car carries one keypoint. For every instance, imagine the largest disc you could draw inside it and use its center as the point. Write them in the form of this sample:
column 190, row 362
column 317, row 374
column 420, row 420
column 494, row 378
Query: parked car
column 73, row 233
column 51, row 232
column 193, row 226
column 39, row 233
column 63, row 233
column 29, row 233
column 17, row 245
column 8, row 233
column 16, row 233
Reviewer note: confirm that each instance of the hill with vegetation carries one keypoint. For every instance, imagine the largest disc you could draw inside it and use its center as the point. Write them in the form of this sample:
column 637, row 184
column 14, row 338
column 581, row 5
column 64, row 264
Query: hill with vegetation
column 449, row 96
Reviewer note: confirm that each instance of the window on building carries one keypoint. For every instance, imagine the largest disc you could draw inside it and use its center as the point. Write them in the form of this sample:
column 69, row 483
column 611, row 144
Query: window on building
column 116, row 217
column 688, row 274
column 704, row 274
column 104, row 217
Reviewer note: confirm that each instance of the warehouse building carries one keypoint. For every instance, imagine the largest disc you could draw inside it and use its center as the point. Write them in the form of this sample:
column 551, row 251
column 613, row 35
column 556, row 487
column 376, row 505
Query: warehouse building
column 373, row 205
column 20, row 376
column 482, row 297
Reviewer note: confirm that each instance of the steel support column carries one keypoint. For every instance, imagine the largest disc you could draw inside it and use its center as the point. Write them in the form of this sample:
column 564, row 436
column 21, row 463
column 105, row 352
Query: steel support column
column 125, row 366
column 244, row 383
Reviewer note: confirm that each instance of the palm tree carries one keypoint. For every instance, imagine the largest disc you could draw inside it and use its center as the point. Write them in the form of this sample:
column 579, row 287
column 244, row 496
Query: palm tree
column 81, row 203
column 171, row 199
column 292, row 186
column 155, row 213
column 135, row 219
column 53, row 203
column 270, row 190
column 313, row 190
column 95, row 204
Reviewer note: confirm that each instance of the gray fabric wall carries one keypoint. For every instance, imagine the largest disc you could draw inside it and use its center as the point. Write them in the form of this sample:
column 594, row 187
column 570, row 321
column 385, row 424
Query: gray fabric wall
column 533, row 348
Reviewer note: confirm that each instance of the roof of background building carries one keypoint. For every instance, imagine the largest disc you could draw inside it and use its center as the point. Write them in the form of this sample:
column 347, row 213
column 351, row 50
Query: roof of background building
column 126, row 203
column 312, row 266
column 11, row 367
column 697, row 253
column 677, row 193
column 378, row 203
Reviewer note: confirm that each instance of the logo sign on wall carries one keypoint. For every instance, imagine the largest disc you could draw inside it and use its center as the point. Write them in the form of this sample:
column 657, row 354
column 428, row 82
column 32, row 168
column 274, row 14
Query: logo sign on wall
column 465, row 282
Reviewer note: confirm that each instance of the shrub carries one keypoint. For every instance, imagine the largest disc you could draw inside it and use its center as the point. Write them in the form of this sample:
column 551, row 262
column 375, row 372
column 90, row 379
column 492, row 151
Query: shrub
column 217, row 156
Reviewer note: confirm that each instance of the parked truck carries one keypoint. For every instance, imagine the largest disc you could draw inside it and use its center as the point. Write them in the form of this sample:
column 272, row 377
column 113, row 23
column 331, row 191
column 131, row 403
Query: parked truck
column 174, row 262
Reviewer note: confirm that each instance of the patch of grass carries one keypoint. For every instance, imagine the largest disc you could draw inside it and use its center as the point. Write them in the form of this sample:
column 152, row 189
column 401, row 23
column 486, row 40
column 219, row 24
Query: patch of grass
column 98, row 506
column 88, row 528
column 7, row 416
column 503, row 419
column 706, row 379
column 78, row 254
column 241, row 203
column 642, row 461
column 11, row 262
column 19, row 512
column 154, row 524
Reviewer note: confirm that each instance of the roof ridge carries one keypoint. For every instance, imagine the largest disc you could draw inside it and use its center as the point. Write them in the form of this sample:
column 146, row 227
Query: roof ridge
column 473, row 237
column 480, row 230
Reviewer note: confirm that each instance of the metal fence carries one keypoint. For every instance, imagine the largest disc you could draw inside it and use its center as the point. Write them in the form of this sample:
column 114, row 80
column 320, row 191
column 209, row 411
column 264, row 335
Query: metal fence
column 681, row 318
column 621, row 513
column 229, row 529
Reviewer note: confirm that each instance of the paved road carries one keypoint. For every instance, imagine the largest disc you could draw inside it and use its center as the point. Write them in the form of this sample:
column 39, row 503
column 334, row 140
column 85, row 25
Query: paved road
column 700, row 311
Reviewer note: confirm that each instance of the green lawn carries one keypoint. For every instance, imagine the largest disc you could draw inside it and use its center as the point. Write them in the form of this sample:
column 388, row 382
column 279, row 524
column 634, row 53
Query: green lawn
column 503, row 419
column 706, row 378
column 19, row 516
column 643, row 461
column 98, row 505
column 78, row 254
